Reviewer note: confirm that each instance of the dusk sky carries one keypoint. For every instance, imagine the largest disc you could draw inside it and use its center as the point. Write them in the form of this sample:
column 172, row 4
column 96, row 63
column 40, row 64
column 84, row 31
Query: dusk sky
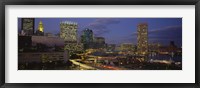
column 120, row 30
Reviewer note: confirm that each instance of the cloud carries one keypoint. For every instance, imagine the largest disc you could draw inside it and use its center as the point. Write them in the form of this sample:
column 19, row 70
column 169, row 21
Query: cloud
column 99, row 26
column 162, row 35
column 166, row 33
column 167, row 28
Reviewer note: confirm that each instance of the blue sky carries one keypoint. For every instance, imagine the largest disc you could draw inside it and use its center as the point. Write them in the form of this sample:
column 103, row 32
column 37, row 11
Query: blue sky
column 121, row 30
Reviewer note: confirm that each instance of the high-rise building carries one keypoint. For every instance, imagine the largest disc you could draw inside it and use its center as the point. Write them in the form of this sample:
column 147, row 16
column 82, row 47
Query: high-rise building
column 87, row 38
column 27, row 26
column 68, row 31
column 40, row 30
column 142, row 38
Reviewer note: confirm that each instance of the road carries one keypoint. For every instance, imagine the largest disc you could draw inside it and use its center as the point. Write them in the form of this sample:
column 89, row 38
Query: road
column 83, row 65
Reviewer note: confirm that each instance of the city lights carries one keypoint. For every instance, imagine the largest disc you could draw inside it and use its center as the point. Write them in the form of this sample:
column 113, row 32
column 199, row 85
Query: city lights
column 77, row 44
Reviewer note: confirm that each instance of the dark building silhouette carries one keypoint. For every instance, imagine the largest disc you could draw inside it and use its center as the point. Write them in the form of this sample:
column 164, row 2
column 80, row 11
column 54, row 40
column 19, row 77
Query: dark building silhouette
column 87, row 38
column 24, row 43
column 99, row 42
column 172, row 47
column 111, row 47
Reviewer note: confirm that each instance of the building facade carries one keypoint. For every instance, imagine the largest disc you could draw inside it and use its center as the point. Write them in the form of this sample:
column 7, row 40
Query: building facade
column 27, row 26
column 40, row 44
column 154, row 47
column 87, row 38
column 142, row 38
column 68, row 31
column 99, row 42
column 111, row 47
column 127, row 47
column 27, row 57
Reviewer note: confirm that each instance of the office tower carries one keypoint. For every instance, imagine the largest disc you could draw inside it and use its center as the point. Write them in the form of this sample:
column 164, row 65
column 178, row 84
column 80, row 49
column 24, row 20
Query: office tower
column 87, row 38
column 27, row 26
column 142, row 38
column 40, row 30
column 68, row 32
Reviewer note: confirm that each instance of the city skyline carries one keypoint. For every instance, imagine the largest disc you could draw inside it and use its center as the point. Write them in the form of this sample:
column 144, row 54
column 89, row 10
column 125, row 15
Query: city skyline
column 100, row 44
column 160, row 30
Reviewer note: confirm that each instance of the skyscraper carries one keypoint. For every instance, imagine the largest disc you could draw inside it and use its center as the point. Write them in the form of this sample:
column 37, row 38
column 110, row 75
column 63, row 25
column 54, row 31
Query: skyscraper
column 27, row 26
column 142, row 38
column 40, row 30
column 68, row 32
column 87, row 38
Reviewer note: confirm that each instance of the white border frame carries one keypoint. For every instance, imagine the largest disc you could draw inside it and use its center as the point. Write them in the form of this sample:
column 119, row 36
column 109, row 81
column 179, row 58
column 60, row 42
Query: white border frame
column 186, row 75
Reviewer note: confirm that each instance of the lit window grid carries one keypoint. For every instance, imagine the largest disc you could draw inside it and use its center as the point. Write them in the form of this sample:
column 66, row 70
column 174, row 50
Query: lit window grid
column 28, row 25
column 142, row 38
column 68, row 32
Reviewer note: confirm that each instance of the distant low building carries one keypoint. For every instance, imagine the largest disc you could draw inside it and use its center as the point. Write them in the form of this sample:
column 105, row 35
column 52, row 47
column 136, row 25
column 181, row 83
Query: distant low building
column 49, row 35
column 127, row 47
column 49, row 41
column 171, row 48
column 111, row 47
column 28, row 57
column 99, row 42
column 73, row 47
column 39, row 43
column 117, row 48
column 154, row 47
